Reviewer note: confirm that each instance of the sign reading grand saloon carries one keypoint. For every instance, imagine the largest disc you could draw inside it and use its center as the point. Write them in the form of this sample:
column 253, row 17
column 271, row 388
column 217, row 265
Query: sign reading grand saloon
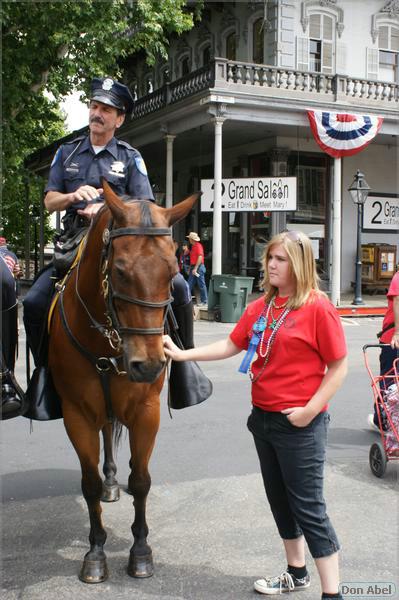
column 252, row 194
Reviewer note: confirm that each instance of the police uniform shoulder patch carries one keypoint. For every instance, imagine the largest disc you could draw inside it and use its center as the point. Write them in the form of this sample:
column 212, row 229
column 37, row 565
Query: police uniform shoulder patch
column 140, row 164
column 56, row 156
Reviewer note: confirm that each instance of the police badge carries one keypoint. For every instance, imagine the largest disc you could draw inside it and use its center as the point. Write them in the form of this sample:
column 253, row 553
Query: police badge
column 117, row 168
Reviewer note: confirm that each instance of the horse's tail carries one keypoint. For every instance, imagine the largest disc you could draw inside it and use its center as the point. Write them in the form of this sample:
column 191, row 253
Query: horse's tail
column 117, row 429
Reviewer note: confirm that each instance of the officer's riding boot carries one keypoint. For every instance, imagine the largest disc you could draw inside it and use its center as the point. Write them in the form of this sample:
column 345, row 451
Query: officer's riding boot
column 11, row 393
column 37, row 340
column 184, row 317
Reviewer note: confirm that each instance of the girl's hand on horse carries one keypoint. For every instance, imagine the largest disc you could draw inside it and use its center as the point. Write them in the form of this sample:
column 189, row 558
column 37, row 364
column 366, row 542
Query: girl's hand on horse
column 171, row 350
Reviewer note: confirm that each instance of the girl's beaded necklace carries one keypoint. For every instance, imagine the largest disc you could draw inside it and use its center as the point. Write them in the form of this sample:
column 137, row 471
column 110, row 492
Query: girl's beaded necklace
column 265, row 347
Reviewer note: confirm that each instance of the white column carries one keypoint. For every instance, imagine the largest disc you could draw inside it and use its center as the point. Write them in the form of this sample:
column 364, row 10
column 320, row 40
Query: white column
column 336, row 236
column 169, row 169
column 217, row 200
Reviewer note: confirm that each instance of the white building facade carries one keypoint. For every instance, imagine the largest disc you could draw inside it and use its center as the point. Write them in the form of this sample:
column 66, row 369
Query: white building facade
column 232, row 101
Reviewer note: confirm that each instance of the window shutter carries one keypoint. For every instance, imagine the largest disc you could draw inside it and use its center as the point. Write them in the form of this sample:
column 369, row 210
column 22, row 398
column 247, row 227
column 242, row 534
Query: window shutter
column 383, row 38
column 327, row 57
column 395, row 39
column 327, row 28
column 315, row 26
column 340, row 65
column 372, row 63
column 302, row 53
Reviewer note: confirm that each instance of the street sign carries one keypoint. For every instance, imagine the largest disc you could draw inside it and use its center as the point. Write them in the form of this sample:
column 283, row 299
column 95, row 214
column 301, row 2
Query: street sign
column 381, row 212
column 251, row 194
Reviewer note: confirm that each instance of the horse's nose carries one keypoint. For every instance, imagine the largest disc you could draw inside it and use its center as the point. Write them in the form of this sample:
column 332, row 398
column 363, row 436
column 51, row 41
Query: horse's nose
column 145, row 371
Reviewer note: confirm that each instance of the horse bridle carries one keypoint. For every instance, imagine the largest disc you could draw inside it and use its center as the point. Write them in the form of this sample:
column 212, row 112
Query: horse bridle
column 112, row 328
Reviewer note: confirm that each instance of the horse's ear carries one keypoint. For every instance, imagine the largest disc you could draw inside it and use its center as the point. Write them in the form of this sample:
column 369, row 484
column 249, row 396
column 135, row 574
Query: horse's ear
column 113, row 201
column 181, row 210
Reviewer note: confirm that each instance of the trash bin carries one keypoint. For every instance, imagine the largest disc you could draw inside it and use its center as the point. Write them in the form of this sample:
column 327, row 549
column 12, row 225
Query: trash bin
column 229, row 295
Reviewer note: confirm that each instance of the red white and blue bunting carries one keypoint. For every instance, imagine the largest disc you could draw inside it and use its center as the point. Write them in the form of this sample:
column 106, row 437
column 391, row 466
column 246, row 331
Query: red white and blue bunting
column 342, row 134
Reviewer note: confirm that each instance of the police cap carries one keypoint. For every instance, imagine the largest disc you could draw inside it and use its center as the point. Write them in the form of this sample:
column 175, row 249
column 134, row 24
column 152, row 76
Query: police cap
column 111, row 92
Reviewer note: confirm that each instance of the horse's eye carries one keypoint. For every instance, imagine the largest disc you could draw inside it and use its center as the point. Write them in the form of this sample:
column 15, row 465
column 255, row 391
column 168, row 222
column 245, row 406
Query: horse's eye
column 120, row 270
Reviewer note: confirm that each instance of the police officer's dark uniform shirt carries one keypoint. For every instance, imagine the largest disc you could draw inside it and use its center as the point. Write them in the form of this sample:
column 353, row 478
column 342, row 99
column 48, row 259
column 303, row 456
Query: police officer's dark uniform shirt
column 75, row 164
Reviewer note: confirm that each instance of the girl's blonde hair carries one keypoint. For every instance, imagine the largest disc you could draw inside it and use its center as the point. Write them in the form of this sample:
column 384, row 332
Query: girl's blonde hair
column 302, row 266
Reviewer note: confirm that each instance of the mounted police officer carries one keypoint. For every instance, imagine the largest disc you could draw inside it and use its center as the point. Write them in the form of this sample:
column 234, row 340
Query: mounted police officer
column 74, row 185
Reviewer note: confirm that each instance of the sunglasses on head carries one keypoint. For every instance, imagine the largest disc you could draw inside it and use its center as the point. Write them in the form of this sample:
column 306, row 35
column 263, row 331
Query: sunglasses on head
column 293, row 236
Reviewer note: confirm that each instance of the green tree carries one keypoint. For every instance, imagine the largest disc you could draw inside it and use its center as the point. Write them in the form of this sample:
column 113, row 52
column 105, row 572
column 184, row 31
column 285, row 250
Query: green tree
column 50, row 48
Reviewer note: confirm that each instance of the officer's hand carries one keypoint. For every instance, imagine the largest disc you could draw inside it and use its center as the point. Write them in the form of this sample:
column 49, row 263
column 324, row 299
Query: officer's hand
column 90, row 210
column 86, row 193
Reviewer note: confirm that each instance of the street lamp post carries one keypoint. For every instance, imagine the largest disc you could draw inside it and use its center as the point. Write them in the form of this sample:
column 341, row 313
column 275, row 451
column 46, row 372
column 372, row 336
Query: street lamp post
column 359, row 190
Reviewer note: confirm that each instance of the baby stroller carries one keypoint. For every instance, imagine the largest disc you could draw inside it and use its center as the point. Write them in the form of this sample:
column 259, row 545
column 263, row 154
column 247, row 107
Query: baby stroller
column 386, row 399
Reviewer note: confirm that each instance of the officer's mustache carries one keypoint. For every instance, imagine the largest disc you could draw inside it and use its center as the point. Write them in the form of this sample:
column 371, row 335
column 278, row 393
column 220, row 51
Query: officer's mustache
column 97, row 120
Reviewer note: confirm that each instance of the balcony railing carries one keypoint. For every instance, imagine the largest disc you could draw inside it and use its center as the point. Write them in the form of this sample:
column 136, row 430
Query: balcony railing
column 263, row 80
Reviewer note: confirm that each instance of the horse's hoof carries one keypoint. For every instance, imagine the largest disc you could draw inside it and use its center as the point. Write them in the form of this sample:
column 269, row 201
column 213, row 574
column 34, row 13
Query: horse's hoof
column 94, row 571
column 140, row 566
column 111, row 493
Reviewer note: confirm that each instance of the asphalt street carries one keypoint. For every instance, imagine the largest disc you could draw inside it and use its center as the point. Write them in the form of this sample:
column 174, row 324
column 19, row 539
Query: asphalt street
column 211, row 531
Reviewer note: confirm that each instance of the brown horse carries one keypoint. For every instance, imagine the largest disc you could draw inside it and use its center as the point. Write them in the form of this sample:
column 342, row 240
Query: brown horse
column 107, row 359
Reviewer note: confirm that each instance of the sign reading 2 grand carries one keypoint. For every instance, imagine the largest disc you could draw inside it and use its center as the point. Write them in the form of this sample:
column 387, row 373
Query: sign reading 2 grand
column 381, row 211
column 252, row 194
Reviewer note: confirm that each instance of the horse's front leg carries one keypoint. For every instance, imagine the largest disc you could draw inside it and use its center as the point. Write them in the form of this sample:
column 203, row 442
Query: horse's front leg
column 86, row 442
column 111, row 491
column 142, row 440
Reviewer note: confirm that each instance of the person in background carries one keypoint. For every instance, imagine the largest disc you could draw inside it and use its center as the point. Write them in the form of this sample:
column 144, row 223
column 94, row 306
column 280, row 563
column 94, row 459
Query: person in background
column 11, row 394
column 296, row 357
column 389, row 335
column 184, row 260
column 10, row 258
column 197, row 267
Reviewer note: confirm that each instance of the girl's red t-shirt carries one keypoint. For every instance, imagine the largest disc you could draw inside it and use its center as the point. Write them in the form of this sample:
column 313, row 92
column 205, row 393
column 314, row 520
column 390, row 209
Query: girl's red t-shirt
column 307, row 341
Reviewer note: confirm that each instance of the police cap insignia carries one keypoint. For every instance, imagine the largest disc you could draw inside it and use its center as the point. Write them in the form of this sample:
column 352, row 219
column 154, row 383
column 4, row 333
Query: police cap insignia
column 108, row 91
column 107, row 84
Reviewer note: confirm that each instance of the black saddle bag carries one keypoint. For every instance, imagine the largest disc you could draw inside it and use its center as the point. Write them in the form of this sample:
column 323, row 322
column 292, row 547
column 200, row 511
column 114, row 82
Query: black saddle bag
column 43, row 400
column 66, row 244
column 188, row 384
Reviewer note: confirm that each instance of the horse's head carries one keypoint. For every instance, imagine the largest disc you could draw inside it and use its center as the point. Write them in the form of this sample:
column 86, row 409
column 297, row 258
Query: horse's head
column 140, row 266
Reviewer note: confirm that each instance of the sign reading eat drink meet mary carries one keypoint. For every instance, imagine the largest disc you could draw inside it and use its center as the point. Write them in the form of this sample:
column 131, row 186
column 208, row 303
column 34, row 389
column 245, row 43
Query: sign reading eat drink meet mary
column 264, row 194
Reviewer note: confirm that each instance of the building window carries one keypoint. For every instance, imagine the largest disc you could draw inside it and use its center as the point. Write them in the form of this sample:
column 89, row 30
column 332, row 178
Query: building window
column 388, row 45
column 165, row 76
column 184, row 66
column 206, row 56
column 321, row 43
column 258, row 42
column 231, row 46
